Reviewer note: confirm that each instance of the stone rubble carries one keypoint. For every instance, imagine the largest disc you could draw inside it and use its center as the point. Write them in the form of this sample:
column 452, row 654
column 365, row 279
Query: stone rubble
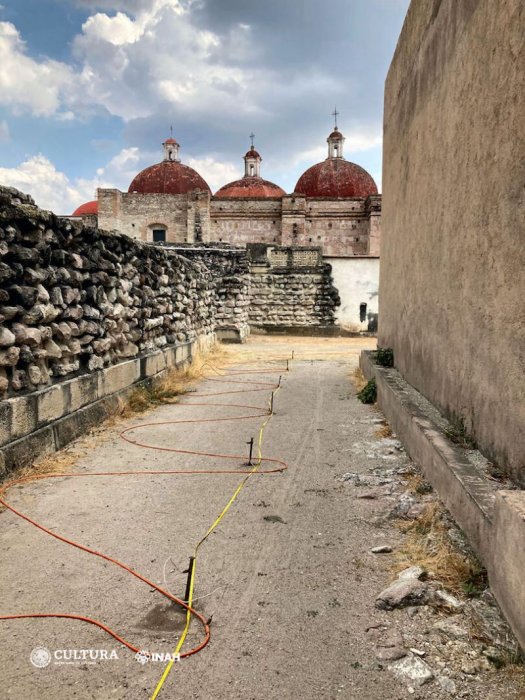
column 74, row 298
column 424, row 634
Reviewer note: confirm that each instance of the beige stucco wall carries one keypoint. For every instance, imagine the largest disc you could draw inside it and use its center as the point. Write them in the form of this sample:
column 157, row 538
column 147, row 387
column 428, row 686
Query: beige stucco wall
column 452, row 284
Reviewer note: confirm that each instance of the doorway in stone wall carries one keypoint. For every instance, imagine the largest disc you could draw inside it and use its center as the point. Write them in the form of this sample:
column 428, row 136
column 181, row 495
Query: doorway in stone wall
column 158, row 233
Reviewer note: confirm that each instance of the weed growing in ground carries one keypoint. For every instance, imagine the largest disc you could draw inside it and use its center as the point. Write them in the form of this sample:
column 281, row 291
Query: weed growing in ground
column 369, row 393
column 458, row 434
column 384, row 357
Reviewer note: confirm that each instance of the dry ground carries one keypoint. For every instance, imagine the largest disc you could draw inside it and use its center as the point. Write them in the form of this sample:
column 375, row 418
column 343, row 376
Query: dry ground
column 288, row 576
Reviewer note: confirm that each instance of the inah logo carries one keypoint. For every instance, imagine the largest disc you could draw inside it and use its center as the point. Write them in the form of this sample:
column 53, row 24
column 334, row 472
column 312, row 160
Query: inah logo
column 40, row 657
column 142, row 657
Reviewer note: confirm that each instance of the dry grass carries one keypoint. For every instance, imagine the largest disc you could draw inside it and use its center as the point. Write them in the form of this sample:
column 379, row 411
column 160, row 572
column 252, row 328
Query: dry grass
column 176, row 383
column 416, row 484
column 385, row 431
column 358, row 379
column 428, row 545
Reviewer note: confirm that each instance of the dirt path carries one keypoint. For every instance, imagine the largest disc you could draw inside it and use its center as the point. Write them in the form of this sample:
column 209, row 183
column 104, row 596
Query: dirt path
column 288, row 576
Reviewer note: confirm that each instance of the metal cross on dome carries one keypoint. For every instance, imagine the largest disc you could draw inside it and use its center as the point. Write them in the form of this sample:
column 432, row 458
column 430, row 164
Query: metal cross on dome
column 252, row 136
column 335, row 114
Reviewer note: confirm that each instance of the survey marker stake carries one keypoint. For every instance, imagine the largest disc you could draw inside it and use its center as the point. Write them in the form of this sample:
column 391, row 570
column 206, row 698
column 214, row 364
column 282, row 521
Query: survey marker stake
column 249, row 463
column 189, row 571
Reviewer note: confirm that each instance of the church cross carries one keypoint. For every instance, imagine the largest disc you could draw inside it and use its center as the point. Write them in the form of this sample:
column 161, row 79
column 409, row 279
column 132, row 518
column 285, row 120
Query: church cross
column 335, row 114
column 252, row 136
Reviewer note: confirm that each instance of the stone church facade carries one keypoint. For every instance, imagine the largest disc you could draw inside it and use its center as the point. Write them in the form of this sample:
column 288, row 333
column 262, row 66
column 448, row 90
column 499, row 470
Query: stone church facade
column 335, row 206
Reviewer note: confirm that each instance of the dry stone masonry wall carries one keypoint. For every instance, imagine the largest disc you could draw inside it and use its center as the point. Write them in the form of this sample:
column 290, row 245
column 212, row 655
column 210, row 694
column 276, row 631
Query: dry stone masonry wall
column 291, row 289
column 73, row 298
column 230, row 271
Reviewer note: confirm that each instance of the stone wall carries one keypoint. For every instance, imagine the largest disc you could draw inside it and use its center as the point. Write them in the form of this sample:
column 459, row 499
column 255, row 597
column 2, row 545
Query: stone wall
column 451, row 282
column 185, row 217
column 75, row 299
column 230, row 271
column 241, row 221
column 344, row 227
column 291, row 290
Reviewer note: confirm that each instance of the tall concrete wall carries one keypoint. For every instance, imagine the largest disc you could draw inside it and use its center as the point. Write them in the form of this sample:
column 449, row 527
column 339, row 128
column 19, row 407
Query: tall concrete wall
column 452, row 284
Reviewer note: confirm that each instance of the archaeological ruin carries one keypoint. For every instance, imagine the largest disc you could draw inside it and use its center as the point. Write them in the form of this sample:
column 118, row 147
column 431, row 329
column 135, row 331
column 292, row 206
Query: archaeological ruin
column 335, row 207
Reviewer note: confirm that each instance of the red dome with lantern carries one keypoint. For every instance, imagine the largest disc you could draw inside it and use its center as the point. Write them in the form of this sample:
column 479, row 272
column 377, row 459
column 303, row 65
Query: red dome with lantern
column 335, row 176
column 250, row 187
column 170, row 176
column 252, row 184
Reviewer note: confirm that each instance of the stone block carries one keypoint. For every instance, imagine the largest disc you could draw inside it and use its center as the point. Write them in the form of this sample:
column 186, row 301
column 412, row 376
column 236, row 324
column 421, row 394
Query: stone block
column 26, row 450
column 120, row 376
column 152, row 364
column 6, row 413
column 170, row 356
column 507, row 570
column 52, row 403
column 83, row 390
column 78, row 423
column 182, row 353
column 24, row 416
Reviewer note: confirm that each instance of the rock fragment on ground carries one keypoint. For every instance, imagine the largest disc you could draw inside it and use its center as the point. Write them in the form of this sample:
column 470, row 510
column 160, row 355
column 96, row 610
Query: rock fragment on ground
column 402, row 593
column 412, row 668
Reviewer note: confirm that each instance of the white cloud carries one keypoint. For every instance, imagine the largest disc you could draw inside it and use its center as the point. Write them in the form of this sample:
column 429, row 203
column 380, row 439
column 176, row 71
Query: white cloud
column 26, row 84
column 357, row 140
column 5, row 136
column 117, row 30
column 54, row 190
column 136, row 66
column 152, row 59
column 214, row 172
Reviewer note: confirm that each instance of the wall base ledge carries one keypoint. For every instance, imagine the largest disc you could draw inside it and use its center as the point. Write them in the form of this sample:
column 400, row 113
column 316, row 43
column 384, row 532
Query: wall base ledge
column 106, row 388
column 493, row 521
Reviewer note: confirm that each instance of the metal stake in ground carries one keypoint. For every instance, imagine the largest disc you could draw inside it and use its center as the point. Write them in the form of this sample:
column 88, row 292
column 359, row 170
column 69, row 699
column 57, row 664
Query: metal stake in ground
column 189, row 571
column 250, row 443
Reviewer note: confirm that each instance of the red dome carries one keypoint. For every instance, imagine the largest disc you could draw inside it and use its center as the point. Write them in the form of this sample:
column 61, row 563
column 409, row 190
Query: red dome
column 168, row 177
column 336, row 134
column 336, row 177
column 87, row 209
column 250, row 187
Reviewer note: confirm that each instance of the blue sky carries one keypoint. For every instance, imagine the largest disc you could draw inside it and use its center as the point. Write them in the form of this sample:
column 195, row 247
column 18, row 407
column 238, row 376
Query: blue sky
column 89, row 88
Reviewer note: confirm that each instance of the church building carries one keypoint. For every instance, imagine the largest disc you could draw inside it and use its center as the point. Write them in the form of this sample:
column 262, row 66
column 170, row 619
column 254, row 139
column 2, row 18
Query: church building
column 335, row 206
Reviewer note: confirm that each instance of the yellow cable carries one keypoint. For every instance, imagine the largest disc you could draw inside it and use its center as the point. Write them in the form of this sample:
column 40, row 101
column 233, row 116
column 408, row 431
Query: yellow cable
column 194, row 561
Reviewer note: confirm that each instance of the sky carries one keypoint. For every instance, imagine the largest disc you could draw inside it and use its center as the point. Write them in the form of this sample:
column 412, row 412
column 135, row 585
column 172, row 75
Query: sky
column 90, row 88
